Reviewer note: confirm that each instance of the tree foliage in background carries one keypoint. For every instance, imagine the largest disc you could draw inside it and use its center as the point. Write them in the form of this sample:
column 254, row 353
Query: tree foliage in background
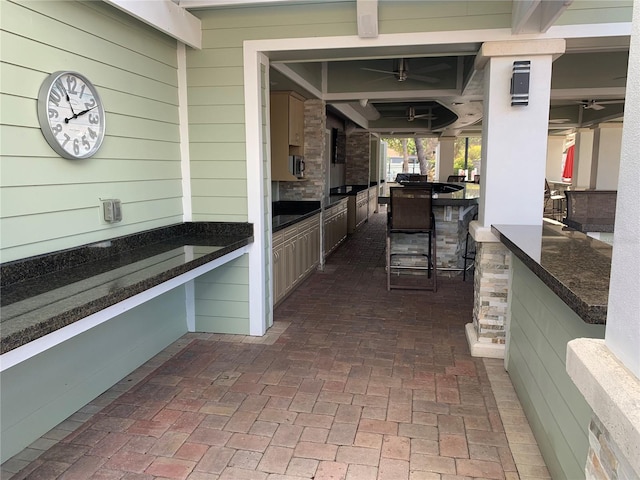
column 423, row 148
column 475, row 153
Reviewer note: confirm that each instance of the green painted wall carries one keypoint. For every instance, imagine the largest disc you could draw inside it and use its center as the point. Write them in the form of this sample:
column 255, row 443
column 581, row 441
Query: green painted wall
column 41, row 392
column 590, row 11
column 222, row 298
column 540, row 327
column 48, row 203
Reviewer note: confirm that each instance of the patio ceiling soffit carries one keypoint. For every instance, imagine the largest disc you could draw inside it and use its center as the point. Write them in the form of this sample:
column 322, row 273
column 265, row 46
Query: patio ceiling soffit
column 536, row 16
column 166, row 16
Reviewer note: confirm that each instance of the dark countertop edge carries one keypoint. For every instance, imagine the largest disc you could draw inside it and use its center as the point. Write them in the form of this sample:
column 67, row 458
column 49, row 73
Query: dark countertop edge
column 298, row 219
column 461, row 202
column 56, row 322
column 334, row 200
column 21, row 270
column 355, row 189
column 593, row 314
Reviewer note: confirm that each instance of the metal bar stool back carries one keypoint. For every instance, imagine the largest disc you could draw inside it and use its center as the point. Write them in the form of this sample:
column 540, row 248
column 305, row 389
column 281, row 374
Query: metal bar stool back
column 410, row 212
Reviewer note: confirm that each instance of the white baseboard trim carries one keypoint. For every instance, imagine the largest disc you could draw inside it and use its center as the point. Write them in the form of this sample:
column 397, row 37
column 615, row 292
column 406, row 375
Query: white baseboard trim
column 479, row 349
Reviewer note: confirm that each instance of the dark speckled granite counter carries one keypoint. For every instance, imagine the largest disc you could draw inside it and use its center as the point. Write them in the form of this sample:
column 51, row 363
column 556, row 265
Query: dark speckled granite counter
column 348, row 190
column 574, row 266
column 45, row 293
column 287, row 212
column 468, row 194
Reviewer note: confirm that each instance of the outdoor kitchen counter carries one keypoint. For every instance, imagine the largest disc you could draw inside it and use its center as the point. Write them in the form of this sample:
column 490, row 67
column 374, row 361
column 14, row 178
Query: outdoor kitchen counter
column 574, row 266
column 466, row 196
column 43, row 294
column 289, row 212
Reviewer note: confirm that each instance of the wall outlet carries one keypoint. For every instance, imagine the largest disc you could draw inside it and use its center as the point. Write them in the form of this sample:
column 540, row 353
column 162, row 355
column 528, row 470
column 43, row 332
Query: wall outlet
column 112, row 210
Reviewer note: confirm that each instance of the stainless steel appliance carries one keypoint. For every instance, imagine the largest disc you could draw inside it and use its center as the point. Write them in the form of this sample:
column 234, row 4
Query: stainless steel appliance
column 296, row 165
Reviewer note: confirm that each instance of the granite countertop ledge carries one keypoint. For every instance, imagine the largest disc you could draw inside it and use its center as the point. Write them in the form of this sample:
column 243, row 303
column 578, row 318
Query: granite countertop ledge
column 574, row 266
column 39, row 295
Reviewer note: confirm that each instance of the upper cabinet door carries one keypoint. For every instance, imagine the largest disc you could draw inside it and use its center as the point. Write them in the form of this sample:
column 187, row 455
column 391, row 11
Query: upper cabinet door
column 296, row 121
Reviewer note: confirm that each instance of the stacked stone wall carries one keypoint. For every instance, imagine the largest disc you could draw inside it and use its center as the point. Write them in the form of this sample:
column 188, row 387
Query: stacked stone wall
column 605, row 461
column 312, row 187
column 358, row 149
column 491, row 285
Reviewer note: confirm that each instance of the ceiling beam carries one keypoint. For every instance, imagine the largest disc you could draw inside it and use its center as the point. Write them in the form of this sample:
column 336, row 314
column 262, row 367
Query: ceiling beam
column 224, row 3
column 166, row 16
column 536, row 16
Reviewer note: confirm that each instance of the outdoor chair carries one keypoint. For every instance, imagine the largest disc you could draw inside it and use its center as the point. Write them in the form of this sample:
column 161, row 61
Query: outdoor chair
column 455, row 178
column 410, row 213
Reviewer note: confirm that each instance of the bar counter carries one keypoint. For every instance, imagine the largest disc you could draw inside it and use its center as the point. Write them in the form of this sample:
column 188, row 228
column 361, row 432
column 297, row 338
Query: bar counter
column 573, row 265
column 45, row 293
column 453, row 211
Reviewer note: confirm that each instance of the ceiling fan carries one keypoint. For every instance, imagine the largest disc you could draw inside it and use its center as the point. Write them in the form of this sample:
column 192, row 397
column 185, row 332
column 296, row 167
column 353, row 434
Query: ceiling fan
column 412, row 115
column 597, row 105
column 401, row 71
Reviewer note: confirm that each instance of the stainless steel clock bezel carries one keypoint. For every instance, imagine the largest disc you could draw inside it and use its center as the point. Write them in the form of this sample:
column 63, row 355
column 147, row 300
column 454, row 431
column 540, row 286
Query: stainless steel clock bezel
column 43, row 117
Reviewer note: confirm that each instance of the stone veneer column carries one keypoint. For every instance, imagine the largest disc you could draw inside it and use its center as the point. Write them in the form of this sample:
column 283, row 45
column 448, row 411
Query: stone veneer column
column 491, row 281
column 512, row 136
column 358, row 158
column 607, row 372
column 312, row 187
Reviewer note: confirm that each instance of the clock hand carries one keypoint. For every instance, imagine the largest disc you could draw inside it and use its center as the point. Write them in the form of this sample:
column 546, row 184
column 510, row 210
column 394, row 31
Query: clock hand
column 76, row 115
column 67, row 96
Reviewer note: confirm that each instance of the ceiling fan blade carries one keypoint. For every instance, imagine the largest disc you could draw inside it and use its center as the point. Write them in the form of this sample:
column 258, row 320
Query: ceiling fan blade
column 609, row 102
column 426, row 115
column 434, row 68
column 422, row 78
column 376, row 80
column 379, row 71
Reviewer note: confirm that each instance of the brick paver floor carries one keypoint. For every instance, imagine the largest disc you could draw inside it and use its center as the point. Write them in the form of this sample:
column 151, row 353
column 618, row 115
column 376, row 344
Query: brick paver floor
column 352, row 382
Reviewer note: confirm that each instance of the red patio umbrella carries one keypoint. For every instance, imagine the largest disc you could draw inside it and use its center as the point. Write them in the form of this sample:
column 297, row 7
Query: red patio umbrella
column 567, row 173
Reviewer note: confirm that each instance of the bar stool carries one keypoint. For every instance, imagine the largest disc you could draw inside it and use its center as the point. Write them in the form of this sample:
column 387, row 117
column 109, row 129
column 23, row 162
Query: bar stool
column 410, row 212
column 456, row 178
column 468, row 256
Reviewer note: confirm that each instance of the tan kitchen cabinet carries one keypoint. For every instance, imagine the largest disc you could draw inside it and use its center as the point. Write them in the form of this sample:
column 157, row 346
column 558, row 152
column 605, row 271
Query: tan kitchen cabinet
column 287, row 132
column 279, row 272
column 373, row 200
column 296, row 253
column 335, row 226
column 358, row 208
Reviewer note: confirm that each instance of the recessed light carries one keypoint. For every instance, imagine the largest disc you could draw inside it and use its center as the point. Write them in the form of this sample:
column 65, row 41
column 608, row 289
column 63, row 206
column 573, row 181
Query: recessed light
column 457, row 103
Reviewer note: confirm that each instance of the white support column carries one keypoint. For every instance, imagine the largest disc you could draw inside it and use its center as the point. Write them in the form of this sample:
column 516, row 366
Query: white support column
column 514, row 139
column 446, row 154
column 623, row 317
column 609, row 150
column 514, row 155
column 582, row 158
column 555, row 149
column 608, row 373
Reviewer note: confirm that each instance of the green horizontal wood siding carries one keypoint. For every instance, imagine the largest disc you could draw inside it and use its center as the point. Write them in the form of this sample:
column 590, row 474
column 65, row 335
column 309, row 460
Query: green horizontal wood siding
column 540, row 327
column 222, row 299
column 51, row 203
column 75, row 372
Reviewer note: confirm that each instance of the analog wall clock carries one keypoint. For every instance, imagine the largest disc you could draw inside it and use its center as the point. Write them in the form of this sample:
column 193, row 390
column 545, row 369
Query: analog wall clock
column 71, row 115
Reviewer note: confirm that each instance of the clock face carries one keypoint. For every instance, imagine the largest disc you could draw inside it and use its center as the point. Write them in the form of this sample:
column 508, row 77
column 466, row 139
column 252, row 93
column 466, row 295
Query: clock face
column 71, row 115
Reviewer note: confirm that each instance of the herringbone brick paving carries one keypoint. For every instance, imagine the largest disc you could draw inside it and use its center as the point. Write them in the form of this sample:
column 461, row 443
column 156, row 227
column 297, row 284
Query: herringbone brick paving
column 353, row 382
